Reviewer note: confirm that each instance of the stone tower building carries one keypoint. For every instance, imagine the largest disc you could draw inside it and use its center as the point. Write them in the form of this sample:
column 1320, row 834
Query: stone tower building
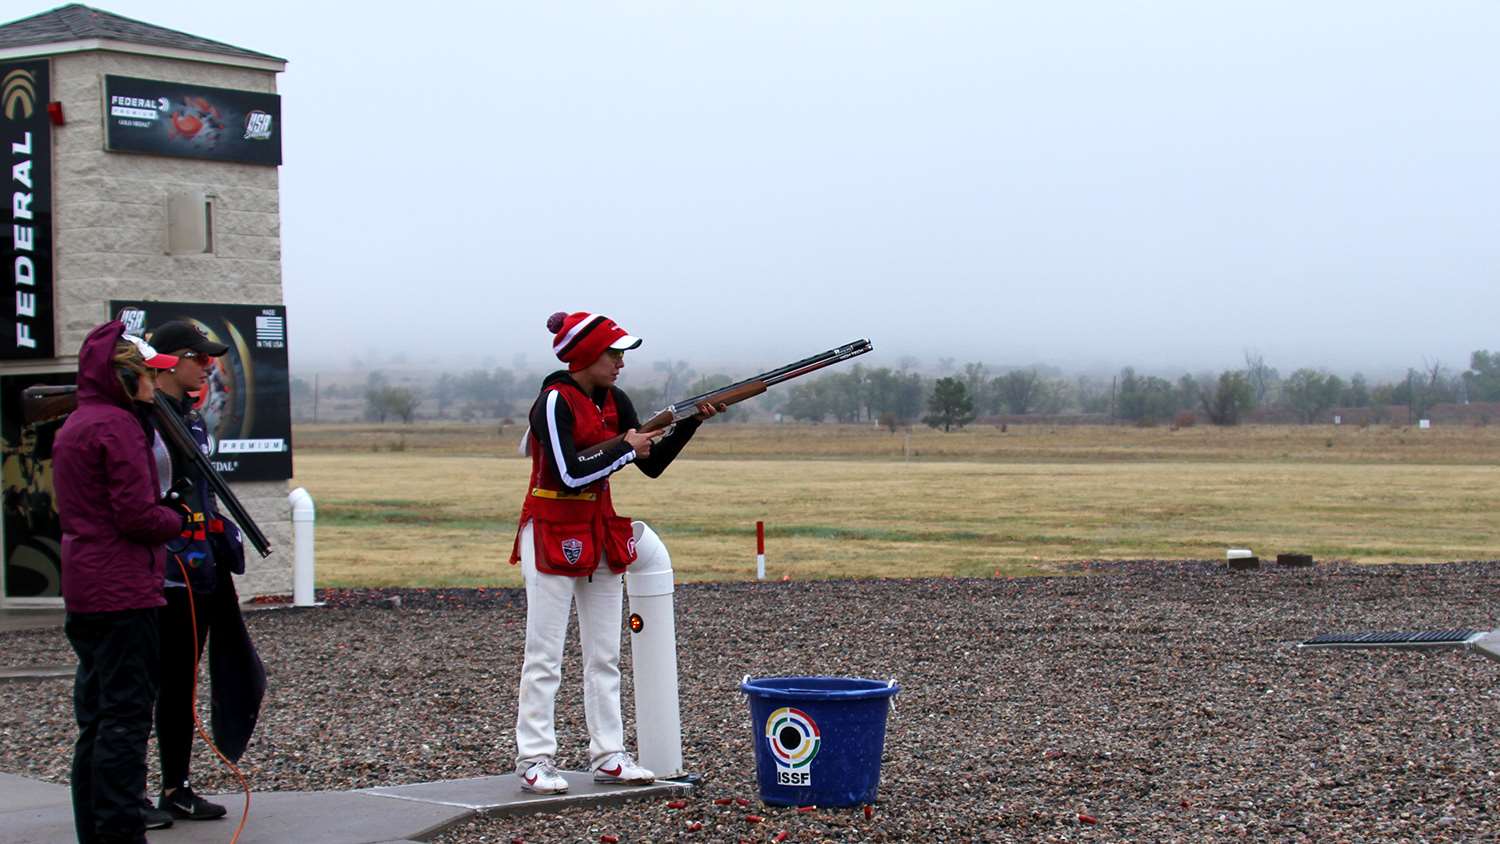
column 143, row 166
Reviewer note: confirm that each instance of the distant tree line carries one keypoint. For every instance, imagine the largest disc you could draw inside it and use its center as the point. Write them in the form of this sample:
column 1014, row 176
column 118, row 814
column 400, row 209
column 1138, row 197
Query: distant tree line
column 1220, row 398
column 896, row 397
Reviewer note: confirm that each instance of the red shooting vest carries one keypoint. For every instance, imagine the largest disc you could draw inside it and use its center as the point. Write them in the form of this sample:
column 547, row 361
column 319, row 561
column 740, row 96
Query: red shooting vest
column 572, row 528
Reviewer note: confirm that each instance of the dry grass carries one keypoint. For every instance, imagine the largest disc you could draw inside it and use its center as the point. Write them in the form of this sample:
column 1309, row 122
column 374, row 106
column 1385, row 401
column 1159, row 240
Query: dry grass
column 1028, row 501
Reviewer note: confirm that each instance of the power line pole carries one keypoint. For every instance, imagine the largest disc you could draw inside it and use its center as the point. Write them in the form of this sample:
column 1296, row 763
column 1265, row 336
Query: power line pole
column 1411, row 400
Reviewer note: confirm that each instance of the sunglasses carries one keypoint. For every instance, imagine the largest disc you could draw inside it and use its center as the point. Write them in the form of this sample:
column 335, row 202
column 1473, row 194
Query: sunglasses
column 195, row 356
column 616, row 354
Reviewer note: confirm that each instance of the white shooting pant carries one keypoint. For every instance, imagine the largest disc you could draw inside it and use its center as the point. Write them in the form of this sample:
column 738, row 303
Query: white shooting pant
column 549, row 597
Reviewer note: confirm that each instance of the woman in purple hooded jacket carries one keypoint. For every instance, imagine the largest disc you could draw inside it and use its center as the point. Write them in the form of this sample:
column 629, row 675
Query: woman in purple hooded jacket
column 108, row 463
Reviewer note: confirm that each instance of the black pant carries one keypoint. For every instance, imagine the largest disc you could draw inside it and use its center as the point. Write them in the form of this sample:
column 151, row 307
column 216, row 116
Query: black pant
column 180, row 655
column 119, row 657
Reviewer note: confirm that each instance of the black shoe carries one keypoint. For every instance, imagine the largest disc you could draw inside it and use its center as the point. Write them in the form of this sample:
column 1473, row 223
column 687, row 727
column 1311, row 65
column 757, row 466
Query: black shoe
column 155, row 818
column 185, row 805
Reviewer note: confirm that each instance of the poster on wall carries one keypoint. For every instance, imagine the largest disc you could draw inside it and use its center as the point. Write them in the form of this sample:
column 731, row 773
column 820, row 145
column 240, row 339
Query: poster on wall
column 33, row 535
column 247, row 401
column 191, row 121
column 26, row 318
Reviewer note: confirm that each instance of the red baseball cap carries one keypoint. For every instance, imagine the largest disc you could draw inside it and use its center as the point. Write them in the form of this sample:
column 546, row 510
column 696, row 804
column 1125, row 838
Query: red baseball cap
column 152, row 358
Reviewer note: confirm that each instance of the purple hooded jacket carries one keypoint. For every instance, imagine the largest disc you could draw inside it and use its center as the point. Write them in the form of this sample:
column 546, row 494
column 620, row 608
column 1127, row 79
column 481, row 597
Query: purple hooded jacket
column 105, row 482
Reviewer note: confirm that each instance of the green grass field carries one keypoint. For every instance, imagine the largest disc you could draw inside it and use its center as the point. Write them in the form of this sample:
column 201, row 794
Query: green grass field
column 436, row 505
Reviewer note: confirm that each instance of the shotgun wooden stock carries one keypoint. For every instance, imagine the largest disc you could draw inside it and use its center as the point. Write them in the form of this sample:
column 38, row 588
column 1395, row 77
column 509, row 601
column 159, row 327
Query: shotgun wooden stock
column 729, row 395
column 44, row 404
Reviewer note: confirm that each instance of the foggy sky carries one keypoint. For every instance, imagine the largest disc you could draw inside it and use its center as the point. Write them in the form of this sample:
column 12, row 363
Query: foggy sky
column 1086, row 184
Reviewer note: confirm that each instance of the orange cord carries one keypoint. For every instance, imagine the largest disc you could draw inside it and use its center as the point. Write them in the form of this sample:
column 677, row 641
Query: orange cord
column 198, row 722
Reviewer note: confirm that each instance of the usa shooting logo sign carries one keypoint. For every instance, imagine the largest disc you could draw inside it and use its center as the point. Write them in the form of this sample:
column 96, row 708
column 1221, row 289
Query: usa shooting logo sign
column 794, row 739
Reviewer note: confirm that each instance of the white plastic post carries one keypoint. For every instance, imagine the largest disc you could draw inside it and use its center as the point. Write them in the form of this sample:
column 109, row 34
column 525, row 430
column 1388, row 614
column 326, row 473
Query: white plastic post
column 303, row 517
column 653, row 650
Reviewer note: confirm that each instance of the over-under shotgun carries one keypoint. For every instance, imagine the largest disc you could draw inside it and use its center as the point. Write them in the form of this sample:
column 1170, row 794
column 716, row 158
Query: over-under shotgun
column 748, row 388
column 42, row 403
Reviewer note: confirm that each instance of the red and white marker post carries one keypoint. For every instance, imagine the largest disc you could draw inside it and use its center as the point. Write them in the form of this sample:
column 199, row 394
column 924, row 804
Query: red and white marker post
column 760, row 550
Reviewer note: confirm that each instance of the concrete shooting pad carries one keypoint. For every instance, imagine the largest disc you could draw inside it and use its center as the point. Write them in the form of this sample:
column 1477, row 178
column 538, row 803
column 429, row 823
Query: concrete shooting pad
column 502, row 795
column 35, row 812
column 19, row 794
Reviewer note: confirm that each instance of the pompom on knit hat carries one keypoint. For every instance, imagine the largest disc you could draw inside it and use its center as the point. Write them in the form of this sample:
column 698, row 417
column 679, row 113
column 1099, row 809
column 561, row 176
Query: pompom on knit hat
column 578, row 339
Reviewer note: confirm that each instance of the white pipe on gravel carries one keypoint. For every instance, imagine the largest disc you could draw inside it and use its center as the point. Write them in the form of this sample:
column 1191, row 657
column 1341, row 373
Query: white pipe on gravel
column 303, row 517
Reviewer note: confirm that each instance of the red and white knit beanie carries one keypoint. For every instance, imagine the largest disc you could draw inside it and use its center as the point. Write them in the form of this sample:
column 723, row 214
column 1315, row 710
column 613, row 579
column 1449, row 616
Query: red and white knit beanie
column 578, row 339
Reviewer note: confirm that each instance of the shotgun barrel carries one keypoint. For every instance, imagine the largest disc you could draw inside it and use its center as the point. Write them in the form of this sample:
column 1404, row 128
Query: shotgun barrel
column 751, row 387
column 182, row 440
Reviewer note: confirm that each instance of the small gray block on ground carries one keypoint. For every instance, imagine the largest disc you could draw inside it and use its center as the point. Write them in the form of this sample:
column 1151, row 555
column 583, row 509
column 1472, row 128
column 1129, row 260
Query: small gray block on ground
column 502, row 795
column 1488, row 645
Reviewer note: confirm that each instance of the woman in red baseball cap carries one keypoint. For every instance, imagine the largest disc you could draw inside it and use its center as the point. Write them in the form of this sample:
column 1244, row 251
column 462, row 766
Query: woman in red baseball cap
column 573, row 548
column 202, row 564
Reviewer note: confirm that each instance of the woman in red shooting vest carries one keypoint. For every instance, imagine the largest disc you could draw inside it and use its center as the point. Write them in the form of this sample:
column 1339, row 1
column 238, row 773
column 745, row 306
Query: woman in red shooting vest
column 574, row 549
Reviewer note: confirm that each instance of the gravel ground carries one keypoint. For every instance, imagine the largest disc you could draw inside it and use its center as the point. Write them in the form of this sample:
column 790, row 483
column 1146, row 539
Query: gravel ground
column 1148, row 701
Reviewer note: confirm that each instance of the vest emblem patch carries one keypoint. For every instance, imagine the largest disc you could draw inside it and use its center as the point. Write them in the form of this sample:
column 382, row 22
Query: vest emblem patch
column 572, row 551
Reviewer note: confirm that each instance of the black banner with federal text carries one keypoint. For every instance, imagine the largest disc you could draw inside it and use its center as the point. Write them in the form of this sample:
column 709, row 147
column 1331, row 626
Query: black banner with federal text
column 26, row 316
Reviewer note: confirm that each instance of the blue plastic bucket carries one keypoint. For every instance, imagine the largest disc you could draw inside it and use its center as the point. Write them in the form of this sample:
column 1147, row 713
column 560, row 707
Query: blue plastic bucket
column 818, row 740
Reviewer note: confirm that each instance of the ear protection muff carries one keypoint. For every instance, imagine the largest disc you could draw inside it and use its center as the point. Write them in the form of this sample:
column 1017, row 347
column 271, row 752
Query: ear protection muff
column 129, row 379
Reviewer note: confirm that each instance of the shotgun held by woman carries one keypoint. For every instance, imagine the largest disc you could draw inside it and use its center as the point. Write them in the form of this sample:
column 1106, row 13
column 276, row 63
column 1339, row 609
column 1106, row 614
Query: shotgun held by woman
column 46, row 403
column 750, row 387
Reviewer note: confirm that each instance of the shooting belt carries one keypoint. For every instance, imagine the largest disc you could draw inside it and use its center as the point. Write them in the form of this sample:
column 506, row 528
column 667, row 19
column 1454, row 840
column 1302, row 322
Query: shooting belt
column 556, row 495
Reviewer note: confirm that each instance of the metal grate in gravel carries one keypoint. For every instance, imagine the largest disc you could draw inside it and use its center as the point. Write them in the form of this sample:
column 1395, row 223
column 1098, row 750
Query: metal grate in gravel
column 1391, row 638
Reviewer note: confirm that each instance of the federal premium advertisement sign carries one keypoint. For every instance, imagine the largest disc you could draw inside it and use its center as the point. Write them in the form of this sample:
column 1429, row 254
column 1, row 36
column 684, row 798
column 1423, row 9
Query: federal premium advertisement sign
column 247, row 401
column 191, row 121
column 26, row 317
column 33, row 534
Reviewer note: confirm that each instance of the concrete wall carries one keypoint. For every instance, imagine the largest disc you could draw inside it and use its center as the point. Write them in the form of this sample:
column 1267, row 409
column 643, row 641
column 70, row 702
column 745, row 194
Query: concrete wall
column 109, row 219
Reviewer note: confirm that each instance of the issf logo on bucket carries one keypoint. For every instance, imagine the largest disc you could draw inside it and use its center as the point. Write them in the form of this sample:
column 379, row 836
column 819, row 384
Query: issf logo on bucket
column 794, row 739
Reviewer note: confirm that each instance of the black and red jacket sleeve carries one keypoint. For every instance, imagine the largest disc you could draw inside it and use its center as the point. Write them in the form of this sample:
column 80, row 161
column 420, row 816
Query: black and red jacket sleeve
column 552, row 424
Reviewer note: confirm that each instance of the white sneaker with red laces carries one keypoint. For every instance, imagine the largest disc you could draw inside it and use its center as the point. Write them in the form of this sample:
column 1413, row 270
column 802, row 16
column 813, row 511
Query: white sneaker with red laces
column 541, row 777
column 620, row 768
